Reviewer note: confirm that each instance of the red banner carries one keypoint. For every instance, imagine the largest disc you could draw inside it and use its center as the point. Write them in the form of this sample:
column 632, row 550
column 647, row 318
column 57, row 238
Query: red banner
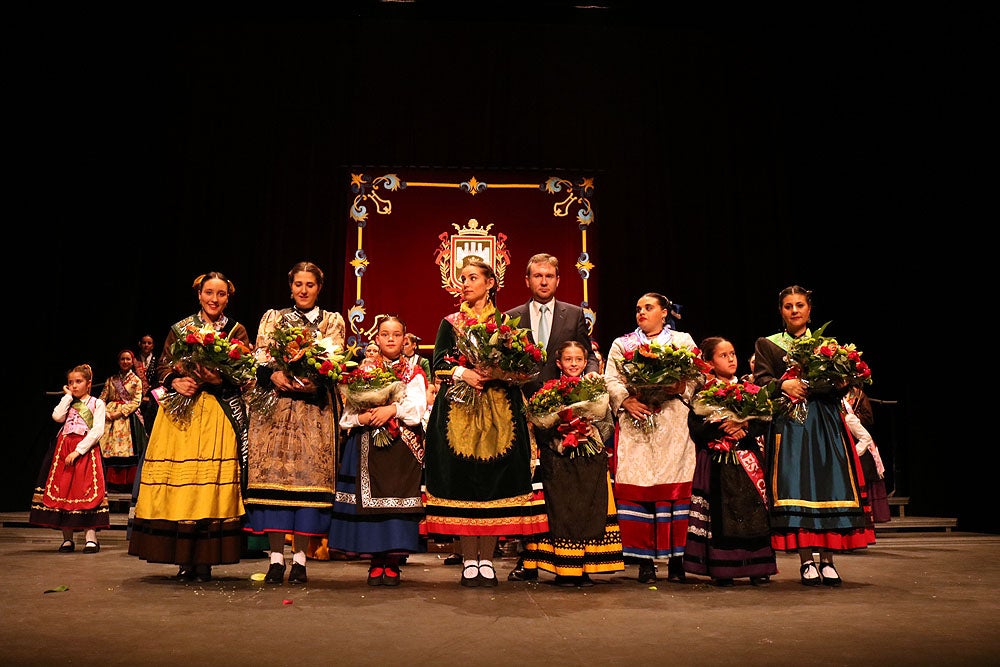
column 412, row 228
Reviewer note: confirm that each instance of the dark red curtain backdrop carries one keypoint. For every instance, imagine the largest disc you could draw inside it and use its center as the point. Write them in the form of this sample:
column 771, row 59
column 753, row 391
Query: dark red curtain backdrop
column 402, row 257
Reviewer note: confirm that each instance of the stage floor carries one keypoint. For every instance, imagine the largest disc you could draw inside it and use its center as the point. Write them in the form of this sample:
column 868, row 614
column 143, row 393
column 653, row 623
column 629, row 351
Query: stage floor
column 911, row 599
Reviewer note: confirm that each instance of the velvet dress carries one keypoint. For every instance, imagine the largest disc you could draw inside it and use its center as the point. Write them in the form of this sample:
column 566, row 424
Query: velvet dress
column 479, row 461
column 814, row 485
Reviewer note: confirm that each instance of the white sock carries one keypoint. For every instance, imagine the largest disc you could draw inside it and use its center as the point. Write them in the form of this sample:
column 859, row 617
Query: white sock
column 812, row 572
column 829, row 572
column 488, row 574
column 299, row 557
column 278, row 557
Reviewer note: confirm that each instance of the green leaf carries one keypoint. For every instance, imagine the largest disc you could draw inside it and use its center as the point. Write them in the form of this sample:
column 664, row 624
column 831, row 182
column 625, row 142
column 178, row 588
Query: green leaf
column 58, row 589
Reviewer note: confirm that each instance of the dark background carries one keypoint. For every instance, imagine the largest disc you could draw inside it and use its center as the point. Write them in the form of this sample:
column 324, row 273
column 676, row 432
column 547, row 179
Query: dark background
column 731, row 158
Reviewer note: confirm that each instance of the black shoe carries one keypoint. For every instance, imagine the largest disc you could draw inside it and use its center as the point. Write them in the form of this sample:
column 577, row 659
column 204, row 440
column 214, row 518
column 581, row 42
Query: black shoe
column 470, row 576
column 760, row 581
column 390, row 577
column 813, row 581
column 487, row 581
column 521, row 573
column 566, row 581
column 297, row 575
column 203, row 573
column 835, row 580
column 185, row 573
column 723, row 583
column 375, row 575
column 275, row 573
column 647, row 571
column 454, row 559
column 585, row 581
column 675, row 570
column 67, row 547
column 91, row 547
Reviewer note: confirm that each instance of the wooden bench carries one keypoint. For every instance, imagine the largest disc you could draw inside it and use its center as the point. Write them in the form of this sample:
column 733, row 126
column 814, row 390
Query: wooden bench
column 899, row 502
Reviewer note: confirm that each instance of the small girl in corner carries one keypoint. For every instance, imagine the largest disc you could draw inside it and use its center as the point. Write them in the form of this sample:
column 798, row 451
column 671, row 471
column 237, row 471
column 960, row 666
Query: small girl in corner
column 70, row 494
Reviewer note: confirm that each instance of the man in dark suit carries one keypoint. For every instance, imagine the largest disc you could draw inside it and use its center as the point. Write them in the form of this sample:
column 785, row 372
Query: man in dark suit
column 565, row 321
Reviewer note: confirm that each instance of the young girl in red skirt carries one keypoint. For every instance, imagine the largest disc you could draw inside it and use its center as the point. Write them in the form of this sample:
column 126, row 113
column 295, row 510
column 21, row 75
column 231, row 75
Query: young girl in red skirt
column 70, row 494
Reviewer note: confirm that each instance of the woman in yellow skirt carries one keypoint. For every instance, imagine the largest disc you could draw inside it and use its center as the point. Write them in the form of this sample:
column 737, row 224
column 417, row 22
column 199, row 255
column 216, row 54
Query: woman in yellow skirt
column 189, row 509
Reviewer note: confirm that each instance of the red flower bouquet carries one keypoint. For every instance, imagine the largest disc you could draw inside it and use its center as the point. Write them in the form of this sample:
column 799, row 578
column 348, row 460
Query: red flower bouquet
column 497, row 350
column 200, row 350
column 300, row 353
column 823, row 365
column 741, row 401
column 652, row 370
column 571, row 405
column 372, row 385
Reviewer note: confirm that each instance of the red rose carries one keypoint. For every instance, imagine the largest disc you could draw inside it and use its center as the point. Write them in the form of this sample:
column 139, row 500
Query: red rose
column 827, row 351
column 628, row 355
column 209, row 338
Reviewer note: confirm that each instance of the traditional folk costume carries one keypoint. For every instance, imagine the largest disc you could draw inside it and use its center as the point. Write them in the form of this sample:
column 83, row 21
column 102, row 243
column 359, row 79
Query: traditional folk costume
column 189, row 509
column 145, row 368
column 872, row 468
column 479, row 462
column 73, row 497
column 583, row 536
column 652, row 469
column 124, row 439
column 415, row 361
column 728, row 529
column 292, row 467
column 378, row 508
column 824, row 509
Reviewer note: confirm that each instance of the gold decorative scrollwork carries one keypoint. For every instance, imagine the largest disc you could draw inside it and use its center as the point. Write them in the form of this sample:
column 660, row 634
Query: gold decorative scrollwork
column 371, row 194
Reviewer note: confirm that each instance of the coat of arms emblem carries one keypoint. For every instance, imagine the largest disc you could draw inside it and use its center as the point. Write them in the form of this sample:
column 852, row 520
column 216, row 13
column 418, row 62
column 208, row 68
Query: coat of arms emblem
column 470, row 241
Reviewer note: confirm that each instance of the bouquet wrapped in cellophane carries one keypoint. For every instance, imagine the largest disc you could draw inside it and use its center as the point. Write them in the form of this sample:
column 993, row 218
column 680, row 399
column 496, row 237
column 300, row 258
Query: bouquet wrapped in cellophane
column 372, row 385
column 497, row 351
column 200, row 351
column 570, row 406
column 823, row 365
column 739, row 401
column 301, row 353
column 652, row 370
